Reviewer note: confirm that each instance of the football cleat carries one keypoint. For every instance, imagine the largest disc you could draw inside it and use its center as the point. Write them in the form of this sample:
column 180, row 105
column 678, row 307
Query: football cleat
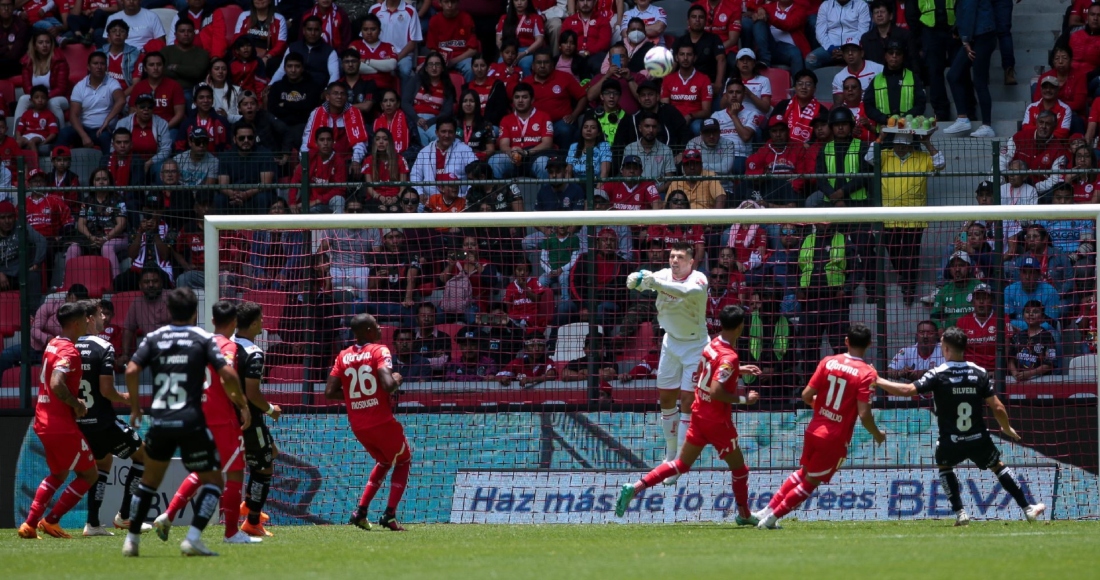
column 195, row 548
column 264, row 518
column 769, row 523
column 361, row 523
column 163, row 525
column 759, row 515
column 90, row 531
column 53, row 530
column 125, row 524
column 241, row 538
column 390, row 523
column 27, row 532
column 962, row 518
column 1033, row 511
column 256, row 531
column 625, row 495
column 749, row 521
column 130, row 548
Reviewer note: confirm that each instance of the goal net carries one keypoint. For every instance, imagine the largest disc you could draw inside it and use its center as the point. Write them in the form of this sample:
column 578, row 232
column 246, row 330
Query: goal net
column 529, row 368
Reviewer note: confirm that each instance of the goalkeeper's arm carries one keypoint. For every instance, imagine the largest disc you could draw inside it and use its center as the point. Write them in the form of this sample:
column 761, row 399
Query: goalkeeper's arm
column 679, row 289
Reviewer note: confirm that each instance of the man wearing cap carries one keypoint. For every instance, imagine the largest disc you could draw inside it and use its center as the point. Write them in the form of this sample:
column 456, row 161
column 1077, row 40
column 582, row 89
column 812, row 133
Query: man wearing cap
column 1049, row 101
column 197, row 165
column 838, row 23
column 843, row 154
column 249, row 163
column 710, row 53
column 717, row 151
column 444, row 155
column 49, row 215
column 857, row 67
column 656, row 158
column 11, row 257
column 738, row 122
column 758, row 88
column 94, row 103
column 610, row 114
column 1055, row 266
column 672, row 129
column 1030, row 287
column 635, row 195
column 777, row 157
column 1037, row 146
column 799, row 111
column 954, row 300
column 911, row 362
column 896, row 90
column 150, row 136
column 705, row 194
column 559, row 195
column 884, row 29
column 981, row 329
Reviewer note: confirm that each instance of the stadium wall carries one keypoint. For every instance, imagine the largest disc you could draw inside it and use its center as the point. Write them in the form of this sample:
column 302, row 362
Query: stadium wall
column 566, row 467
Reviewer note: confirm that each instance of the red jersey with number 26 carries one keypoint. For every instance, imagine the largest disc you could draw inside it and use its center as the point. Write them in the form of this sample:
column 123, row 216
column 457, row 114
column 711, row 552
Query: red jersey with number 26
column 51, row 415
column 368, row 405
column 216, row 405
column 841, row 381
column 719, row 364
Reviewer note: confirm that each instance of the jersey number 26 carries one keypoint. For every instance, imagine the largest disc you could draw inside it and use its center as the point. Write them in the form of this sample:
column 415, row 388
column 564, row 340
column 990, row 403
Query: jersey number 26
column 363, row 383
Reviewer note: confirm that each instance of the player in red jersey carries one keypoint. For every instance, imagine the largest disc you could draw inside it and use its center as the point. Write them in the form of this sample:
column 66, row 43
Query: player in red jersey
column 221, row 419
column 846, row 382
column 55, row 415
column 356, row 376
column 716, row 392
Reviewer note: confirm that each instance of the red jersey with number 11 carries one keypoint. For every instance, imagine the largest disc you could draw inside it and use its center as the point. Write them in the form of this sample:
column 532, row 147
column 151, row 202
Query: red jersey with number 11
column 368, row 405
column 51, row 415
column 720, row 364
column 841, row 381
column 216, row 406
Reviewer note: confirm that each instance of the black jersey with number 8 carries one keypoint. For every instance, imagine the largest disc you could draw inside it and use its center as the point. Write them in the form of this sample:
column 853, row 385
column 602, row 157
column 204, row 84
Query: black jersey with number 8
column 959, row 390
column 177, row 357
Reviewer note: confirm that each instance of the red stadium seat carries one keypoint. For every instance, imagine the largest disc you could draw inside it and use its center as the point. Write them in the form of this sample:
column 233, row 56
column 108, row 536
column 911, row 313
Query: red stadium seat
column 272, row 303
column 457, row 80
column 781, row 83
column 77, row 57
column 231, row 13
column 10, row 321
column 122, row 302
column 91, row 271
column 10, row 380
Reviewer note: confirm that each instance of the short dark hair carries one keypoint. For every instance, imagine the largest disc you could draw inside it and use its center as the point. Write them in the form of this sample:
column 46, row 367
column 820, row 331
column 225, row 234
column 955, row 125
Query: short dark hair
column 184, row 21
column 425, row 305
column 91, row 306
column 523, row 87
column 371, row 18
column 317, row 133
column 79, row 291
column 804, row 73
column 859, row 336
column 40, row 89
column 1033, row 304
column 731, row 317
column 204, row 88
column 248, row 313
column 97, row 54
column 121, row 131
column 69, row 312
column 224, row 312
column 889, row 6
column 107, row 306
column 685, row 247
column 313, row 18
column 955, row 338
column 294, row 57
column 350, row 53
column 935, row 326
column 338, row 84
column 643, row 116
column 182, row 304
column 236, row 128
column 446, row 120
column 117, row 23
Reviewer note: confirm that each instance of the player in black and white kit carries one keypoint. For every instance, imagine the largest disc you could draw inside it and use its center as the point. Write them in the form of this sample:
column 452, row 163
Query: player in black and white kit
column 959, row 389
column 259, row 447
column 108, row 436
column 177, row 355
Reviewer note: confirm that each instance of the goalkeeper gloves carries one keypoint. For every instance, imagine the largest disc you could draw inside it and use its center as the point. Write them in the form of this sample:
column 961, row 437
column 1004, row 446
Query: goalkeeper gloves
column 633, row 280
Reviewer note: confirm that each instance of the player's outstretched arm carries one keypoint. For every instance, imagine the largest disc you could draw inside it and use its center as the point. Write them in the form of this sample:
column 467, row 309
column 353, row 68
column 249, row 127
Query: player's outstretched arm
column 1001, row 415
column 679, row 289
column 897, row 389
column 868, row 420
column 133, row 376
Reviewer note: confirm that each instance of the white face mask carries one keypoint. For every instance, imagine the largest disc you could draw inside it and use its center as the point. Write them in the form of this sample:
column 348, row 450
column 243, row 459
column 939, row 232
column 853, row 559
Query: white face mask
column 635, row 36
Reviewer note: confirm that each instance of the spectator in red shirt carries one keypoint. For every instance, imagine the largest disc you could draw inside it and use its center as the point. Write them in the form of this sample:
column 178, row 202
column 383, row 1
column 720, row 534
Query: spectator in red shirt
column 1073, row 89
column 559, row 95
column 688, row 90
column 1085, row 43
column 325, row 167
column 593, row 33
column 37, row 128
column 191, row 246
column 49, row 215
column 779, row 156
column 522, row 297
column 168, row 101
column 335, row 23
column 125, row 170
column 526, row 137
column 44, row 59
column 724, row 19
column 524, row 24
column 451, row 34
column 779, row 31
column 1049, row 101
column 379, row 59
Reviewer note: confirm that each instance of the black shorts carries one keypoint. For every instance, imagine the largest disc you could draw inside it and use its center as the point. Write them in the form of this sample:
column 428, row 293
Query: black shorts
column 259, row 448
column 981, row 451
column 117, row 439
column 196, row 445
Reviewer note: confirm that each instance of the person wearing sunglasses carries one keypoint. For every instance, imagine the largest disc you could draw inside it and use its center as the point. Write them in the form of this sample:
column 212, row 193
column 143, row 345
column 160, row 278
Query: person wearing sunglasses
column 246, row 162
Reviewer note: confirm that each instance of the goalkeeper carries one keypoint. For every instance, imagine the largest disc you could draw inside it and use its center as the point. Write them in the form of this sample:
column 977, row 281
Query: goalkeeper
column 682, row 313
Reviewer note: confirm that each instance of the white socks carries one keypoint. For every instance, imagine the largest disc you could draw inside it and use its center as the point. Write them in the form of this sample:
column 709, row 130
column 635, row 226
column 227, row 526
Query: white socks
column 682, row 431
column 670, row 428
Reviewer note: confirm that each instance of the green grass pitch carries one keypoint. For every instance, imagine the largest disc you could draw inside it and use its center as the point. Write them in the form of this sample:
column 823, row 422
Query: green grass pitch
column 812, row 550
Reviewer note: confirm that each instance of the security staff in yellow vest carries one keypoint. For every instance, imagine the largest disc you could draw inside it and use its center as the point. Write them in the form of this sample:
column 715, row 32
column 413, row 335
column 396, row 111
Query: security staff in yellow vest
column 825, row 265
column 841, row 155
column 896, row 90
column 933, row 24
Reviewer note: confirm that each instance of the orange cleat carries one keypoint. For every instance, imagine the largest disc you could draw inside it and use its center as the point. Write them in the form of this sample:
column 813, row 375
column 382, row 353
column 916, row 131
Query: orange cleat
column 53, row 530
column 257, row 531
column 27, row 532
column 264, row 518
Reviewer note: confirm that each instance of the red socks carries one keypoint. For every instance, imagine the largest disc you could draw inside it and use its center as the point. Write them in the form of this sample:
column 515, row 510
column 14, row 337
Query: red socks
column 42, row 497
column 69, row 498
column 398, row 481
column 183, row 495
column 795, row 498
column 231, row 506
column 663, row 472
column 792, row 481
column 377, row 475
column 741, row 491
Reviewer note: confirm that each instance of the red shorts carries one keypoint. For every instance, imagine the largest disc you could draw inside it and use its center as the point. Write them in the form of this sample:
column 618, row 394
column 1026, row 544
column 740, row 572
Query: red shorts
column 723, row 436
column 821, row 458
column 386, row 442
column 67, row 452
column 230, row 443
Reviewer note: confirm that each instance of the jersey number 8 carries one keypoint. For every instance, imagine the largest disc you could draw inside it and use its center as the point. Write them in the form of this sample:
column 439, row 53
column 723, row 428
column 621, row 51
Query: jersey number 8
column 360, row 378
column 964, row 422
column 169, row 393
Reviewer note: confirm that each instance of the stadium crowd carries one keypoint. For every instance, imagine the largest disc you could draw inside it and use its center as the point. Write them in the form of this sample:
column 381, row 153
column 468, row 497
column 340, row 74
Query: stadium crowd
column 209, row 106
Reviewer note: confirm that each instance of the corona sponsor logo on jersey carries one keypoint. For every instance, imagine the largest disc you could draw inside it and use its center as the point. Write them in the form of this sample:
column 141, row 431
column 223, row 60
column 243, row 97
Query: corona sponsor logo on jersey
column 836, row 366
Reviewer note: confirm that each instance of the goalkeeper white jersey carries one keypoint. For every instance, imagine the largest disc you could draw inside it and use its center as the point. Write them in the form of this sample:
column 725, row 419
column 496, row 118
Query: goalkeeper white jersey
column 682, row 304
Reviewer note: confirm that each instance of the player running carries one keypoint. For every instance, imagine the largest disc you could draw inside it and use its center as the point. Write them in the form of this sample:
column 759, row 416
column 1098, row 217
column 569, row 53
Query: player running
column 682, row 313
column 108, row 436
column 845, row 380
column 959, row 389
column 356, row 376
column 55, row 417
column 221, row 419
column 259, row 448
column 713, row 423
column 177, row 356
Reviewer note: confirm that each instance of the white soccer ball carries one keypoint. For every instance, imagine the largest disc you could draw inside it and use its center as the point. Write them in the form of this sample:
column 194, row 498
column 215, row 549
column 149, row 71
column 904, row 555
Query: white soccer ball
column 659, row 61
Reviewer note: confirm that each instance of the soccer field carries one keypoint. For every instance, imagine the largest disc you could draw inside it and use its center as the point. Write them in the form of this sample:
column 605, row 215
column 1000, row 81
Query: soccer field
column 818, row 550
